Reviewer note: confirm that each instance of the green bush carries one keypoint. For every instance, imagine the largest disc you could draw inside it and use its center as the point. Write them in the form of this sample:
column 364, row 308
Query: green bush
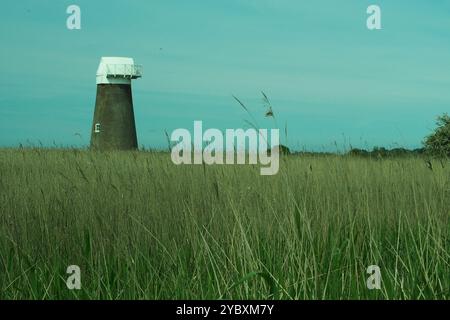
column 438, row 143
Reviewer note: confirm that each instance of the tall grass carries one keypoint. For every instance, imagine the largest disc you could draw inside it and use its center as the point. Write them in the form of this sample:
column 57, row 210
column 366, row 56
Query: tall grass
column 140, row 227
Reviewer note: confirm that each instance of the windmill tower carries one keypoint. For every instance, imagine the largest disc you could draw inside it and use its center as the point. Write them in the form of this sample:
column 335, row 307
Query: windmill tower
column 113, row 127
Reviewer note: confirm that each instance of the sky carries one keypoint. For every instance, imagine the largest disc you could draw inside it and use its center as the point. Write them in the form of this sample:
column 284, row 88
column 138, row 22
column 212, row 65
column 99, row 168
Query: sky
column 331, row 81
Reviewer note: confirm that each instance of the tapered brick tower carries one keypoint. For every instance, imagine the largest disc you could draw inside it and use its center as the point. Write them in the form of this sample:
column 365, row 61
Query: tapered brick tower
column 113, row 127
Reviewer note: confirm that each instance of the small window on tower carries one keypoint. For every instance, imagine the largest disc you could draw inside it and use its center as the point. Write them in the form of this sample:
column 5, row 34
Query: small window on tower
column 97, row 128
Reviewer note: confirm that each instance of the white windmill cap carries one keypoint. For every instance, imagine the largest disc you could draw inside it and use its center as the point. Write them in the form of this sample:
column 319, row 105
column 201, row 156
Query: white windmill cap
column 117, row 70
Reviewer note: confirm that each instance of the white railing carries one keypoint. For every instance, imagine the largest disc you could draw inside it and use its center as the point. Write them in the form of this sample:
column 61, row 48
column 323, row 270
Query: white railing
column 131, row 71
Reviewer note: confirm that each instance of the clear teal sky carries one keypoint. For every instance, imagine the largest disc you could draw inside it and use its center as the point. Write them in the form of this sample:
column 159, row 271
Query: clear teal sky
column 328, row 76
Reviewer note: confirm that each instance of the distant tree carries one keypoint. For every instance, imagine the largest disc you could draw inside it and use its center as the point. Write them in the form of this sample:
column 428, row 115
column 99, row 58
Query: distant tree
column 419, row 151
column 379, row 152
column 438, row 143
column 282, row 149
column 358, row 152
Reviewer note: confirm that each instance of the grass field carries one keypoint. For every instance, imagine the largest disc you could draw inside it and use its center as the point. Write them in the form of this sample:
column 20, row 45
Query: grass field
column 140, row 227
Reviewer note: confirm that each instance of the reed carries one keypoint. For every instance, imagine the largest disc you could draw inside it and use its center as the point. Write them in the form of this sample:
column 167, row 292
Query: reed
column 140, row 227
